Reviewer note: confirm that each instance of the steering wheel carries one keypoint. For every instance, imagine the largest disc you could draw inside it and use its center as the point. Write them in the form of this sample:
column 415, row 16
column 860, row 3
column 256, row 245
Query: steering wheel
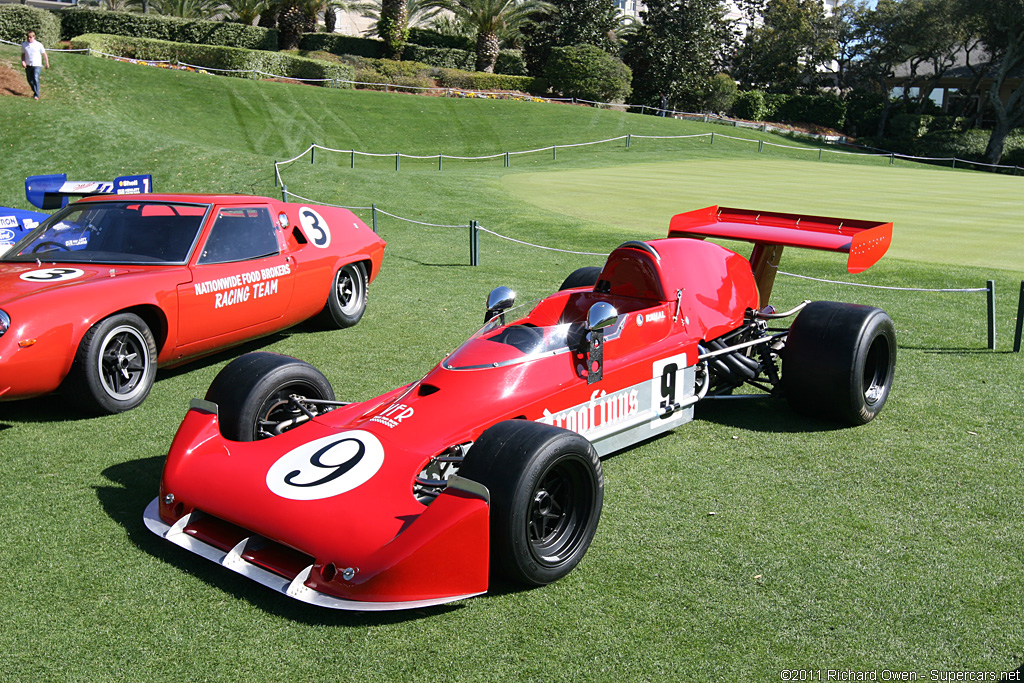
column 54, row 246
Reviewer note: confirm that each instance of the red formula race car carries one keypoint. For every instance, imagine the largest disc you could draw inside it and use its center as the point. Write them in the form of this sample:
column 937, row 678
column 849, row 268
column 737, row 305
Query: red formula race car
column 104, row 291
column 491, row 462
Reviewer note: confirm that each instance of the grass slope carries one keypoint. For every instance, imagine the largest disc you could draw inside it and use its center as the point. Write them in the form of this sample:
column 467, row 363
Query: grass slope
column 893, row 546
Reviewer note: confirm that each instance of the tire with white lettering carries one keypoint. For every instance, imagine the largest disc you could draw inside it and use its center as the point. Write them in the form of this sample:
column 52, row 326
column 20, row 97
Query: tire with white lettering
column 346, row 300
column 114, row 367
column 546, row 490
column 253, row 395
column 581, row 277
column 839, row 361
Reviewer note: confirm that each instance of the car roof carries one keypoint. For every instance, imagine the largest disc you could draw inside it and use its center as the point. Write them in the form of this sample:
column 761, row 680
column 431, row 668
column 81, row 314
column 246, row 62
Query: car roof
column 193, row 198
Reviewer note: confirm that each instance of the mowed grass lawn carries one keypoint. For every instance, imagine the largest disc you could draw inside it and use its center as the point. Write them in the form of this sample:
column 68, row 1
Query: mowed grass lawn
column 896, row 546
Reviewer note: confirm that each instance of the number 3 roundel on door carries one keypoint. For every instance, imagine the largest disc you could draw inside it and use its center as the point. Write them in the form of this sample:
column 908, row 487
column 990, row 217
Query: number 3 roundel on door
column 315, row 227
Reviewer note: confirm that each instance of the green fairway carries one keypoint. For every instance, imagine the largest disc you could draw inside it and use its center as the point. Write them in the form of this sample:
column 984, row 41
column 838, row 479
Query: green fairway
column 749, row 541
column 940, row 216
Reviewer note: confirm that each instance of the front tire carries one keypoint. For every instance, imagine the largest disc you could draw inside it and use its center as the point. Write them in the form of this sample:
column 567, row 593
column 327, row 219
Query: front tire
column 839, row 361
column 252, row 394
column 115, row 366
column 546, row 491
column 346, row 301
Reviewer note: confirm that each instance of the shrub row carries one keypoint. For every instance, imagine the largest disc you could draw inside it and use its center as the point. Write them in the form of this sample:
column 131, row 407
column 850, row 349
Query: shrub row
column 76, row 22
column 588, row 72
column 421, row 75
column 219, row 57
column 510, row 62
column 17, row 20
column 823, row 110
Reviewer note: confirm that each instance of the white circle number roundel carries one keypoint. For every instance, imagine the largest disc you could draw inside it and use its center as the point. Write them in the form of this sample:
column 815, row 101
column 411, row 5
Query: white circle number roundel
column 326, row 467
column 315, row 227
column 52, row 274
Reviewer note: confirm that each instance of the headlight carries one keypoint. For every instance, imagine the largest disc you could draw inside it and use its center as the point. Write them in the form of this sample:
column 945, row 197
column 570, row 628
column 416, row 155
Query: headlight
column 5, row 322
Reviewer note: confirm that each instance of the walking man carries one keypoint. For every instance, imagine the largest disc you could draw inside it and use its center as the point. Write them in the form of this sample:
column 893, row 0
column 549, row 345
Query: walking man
column 33, row 55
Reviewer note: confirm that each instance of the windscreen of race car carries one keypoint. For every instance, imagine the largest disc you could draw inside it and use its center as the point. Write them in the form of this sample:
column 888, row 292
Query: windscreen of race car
column 115, row 232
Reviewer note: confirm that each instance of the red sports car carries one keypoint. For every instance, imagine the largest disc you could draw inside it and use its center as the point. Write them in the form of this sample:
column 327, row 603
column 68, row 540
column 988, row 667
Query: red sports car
column 107, row 289
column 490, row 463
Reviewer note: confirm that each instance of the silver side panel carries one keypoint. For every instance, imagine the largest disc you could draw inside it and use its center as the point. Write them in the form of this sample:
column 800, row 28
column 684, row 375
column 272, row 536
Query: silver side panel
column 295, row 588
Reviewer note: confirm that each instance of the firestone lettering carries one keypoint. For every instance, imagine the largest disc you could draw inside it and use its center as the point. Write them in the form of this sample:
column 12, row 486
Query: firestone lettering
column 602, row 410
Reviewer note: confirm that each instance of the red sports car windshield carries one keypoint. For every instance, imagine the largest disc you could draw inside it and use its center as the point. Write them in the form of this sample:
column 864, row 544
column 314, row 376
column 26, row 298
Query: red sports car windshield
column 118, row 232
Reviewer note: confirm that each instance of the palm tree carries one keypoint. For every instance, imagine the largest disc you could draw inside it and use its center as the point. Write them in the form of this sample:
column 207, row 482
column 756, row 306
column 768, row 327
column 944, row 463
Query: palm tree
column 418, row 13
column 187, row 9
column 246, row 11
column 491, row 20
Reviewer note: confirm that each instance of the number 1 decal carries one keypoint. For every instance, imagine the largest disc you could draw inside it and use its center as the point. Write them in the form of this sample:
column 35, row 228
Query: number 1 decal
column 315, row 227
column 667, row 390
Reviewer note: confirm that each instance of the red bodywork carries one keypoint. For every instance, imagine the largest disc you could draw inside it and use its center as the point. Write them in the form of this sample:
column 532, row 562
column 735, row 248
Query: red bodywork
column 375, row 545
column 188, row 316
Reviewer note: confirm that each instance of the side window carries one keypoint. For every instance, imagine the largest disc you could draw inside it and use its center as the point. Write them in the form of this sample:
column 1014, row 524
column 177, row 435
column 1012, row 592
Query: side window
column 240, row 235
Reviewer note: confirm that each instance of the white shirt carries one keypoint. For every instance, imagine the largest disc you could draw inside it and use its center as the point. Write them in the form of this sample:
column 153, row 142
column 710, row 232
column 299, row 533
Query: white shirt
column 33, row 52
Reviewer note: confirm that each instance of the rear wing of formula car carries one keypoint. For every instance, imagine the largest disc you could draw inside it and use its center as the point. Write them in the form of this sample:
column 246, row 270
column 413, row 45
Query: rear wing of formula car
column 865, row 242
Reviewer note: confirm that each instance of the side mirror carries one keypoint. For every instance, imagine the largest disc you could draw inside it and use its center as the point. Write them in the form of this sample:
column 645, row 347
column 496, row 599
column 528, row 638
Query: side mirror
column 601, row 315
column 498, row 301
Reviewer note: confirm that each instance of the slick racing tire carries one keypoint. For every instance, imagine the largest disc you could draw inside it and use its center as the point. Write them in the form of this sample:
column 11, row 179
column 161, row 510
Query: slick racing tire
column 253, row 393
column 346, row 301
column 581, row 277
column 115, row 365
column 839, row 361
column 546, row 492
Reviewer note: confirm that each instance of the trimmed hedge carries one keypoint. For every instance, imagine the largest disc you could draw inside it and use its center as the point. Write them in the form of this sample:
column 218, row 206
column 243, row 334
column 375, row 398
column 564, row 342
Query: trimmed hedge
column 79, row 21
column 342, row 45
column 510, row 62
column 479, row 80
column 442, row 57
column 18, row 20
column 427, row 38
column 823, row 110
column 219, row 57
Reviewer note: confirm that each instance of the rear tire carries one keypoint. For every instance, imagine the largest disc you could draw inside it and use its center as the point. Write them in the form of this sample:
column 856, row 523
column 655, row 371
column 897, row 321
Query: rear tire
column 346, row 301
column 839, row 361
column 115, row 365
column 581, row 277
column 546, row 492
column 252, row 394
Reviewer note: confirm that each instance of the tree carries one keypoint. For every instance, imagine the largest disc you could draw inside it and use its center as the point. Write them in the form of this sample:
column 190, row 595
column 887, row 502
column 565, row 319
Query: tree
column 493, row 19
column 587, row 72
column 572, row 22
column 675, row 52
column 1001, row 23
column 418, row 13
column 786, row 51
column 187, row 9
column 245, row 11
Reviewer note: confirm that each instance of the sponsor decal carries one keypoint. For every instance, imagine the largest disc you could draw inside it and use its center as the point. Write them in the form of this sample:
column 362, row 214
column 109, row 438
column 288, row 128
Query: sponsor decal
column 656, row 315
column 315, row 227
column 234, row 289
column 8, row 222
column 639, row 319
column 603, row 410
column 6, row 236
column 81, row 241
column 393, row 415
column 28, row 223
column 52, row 274
column 326, row 467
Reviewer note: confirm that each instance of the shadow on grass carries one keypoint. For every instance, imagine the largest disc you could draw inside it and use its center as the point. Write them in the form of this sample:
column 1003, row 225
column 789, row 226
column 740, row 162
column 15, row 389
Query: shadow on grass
column 408, row 259
column 138, row 481
column 759, row 414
